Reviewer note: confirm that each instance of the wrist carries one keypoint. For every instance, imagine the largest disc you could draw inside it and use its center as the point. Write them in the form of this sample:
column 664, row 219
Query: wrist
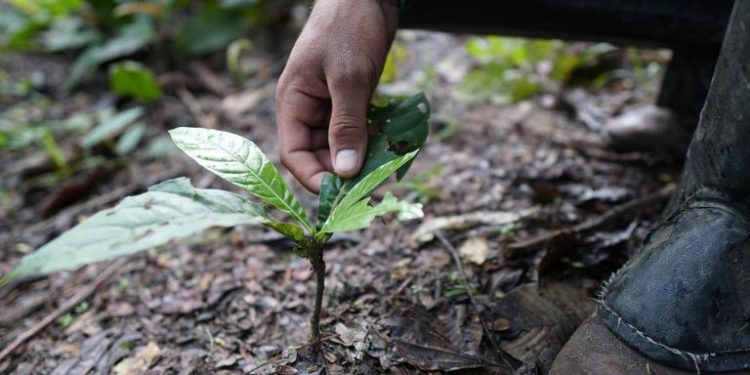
column 340, row 14
column 395, row 3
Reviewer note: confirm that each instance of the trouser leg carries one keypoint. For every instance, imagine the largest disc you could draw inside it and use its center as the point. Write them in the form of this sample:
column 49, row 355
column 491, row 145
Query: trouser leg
column 692, row 25
column 694, row 30
column 667, row 127
column 683, row 299
column 719, row 155
column 685, row 85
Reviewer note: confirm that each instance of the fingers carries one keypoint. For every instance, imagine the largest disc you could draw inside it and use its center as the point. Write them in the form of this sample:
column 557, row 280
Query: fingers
column 300, row 140
column 321, row 149
column 306, row 168
column 347, row 133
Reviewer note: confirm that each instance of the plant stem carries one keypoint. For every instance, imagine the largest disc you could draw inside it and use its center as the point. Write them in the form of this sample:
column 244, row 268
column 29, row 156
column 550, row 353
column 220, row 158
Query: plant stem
column 319, row 266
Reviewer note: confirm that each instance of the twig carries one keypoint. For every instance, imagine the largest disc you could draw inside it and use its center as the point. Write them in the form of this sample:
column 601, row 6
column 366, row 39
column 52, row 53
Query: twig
column 210, row 79
column 270, row 361
column 196, row 109
column 518, row 248
column 403, row 286
column 8, row 285
column 473, row 358
column 258, row 367
column 505, row 357
column 64, row 308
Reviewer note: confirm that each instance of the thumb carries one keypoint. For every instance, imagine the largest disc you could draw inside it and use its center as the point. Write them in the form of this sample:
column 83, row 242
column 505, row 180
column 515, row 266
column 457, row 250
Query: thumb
column 347, row 132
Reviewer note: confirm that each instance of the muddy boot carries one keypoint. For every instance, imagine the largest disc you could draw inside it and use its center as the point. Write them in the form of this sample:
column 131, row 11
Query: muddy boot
column 683, row 301
column 650, row 129
column 665, row 128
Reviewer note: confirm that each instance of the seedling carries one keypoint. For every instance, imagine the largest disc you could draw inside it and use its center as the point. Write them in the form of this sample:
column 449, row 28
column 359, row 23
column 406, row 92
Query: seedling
column 174, row 208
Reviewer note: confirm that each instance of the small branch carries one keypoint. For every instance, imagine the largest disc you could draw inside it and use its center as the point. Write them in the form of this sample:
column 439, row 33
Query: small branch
column 319, row 266
column 65, row 307
column 196, row 110
column 272, row 360
column 505, row 357
column 522, row 247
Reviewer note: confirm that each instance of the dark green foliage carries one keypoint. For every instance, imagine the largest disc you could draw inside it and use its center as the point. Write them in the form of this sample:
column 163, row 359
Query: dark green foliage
column 394, row 130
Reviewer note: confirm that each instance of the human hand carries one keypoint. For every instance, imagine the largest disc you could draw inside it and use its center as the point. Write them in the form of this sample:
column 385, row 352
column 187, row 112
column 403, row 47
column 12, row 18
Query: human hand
column 324, row 91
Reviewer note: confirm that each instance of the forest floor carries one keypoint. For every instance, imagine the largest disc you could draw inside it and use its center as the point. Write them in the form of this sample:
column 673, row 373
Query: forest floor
column 527, row 195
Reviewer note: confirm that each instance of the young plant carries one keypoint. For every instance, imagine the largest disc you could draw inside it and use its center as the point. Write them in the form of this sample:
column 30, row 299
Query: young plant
column 174, row 208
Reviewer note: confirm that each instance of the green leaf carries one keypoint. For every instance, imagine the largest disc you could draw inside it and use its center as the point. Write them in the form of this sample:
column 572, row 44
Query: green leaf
column 104, row 12
column 133, row 79
column 11, row 19
column 172, row 209
column 68, row 33
column 291, row 231
column 395, row 58
column 218, row 200
column 22, row 38
column 47, row 8
column 210, row 30
column 130, row 139
column 241, row 162
column 131, row 38
column 367, row 184
column 396, row 129
column 54, row 152
column 330, row 194
column 351, row 203
column 110, row 126
column 360, row 214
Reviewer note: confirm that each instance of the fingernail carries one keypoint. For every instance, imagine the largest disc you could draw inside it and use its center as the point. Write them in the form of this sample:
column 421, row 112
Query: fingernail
column 346, row 160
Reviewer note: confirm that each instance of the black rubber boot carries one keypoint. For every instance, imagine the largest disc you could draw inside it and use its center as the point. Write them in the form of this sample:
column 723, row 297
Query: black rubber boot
column 665, row 129
column 683, row 301
column 693, row 30
column 649, row 129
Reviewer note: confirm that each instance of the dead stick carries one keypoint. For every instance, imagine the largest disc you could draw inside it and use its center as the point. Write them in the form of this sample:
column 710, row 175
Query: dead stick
column 195, row 108
column 476, row 359
column 266, row 363
column 507, row 358
column 64, row 308
column 522, row 247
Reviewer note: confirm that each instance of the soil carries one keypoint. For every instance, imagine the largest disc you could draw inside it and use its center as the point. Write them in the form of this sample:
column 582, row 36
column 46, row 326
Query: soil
column 514, row 182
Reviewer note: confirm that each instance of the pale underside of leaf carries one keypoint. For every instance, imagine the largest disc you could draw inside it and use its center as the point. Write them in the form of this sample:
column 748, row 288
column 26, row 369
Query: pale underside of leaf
column 170, row 210
column 241, row 162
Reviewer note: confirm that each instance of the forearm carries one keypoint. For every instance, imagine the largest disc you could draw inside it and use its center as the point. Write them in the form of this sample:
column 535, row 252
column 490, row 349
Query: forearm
column 689, row 24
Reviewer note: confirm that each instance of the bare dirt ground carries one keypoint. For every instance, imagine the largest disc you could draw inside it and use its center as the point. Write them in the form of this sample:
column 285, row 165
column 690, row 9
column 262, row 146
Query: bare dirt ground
column 527, row 195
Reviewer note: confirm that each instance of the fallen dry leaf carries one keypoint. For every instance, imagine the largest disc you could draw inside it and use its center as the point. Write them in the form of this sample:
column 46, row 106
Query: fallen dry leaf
column 426, row 231
column 474, row 250
column 140, row 362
